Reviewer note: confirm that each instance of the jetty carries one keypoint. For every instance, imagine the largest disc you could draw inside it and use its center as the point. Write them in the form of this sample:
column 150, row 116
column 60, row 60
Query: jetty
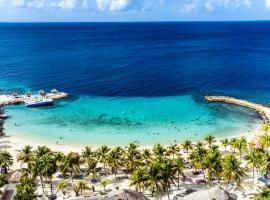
column 11, row 99
column 263, row 111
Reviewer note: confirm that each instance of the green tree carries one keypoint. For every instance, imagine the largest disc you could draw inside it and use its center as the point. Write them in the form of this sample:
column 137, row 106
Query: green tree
column 266, row 128
column 232, row 170
column 254, row 160
column 71, row 164
column 80, row 187
column 159, row 150
column 265, row 167
column 104, row 184
column 167, row 175
column 146, row 156
column 26, row 155
column 61, row 186
column 187, row 145
column 91, row 168
column 138, row 179
column 153, row 179
column 179, row 167
column 173, row 149
column 240, row 145
column 197, row 156
column 6, row 161
column 212, row 162
column 264, row 194
column 209, row 140
column 132, row 157
column 225, row 142
column 87, row 152
column 48, row 168
column 115, row 159
column 102, row 153
column 3, row 180
column 25, row 190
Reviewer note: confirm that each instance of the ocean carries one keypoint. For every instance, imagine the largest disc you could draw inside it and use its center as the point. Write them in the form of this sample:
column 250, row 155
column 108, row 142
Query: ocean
column 135, row 82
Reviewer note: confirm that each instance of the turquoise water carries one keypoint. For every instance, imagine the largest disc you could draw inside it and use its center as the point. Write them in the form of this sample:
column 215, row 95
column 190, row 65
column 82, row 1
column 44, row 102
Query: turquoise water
column 118, row 121
column 130, row 82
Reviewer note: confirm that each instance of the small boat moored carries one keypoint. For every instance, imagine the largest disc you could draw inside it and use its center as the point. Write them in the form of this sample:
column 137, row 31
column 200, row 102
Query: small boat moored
column 39, row 102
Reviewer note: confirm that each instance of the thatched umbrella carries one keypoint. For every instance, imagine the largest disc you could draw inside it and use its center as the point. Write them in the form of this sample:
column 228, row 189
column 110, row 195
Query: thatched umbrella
column 41, row 93
column 216, row 193
column 28, row 94
column 16, row 177
column 15, row 94
column 54, row 91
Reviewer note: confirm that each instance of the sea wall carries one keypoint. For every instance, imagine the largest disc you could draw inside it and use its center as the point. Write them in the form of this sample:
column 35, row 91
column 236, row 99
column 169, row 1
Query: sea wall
column 263, row 111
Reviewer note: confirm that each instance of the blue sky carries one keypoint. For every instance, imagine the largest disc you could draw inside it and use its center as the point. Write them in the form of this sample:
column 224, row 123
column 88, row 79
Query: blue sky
column 133, row 10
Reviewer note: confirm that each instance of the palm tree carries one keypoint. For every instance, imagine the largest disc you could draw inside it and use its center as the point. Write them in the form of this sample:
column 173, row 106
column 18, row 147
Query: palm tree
column 115, row 159
column 197, row 156
column 6, row 160
column 264, row 194
column 240, row 145
column 153, row 179
column 232, row 170
column 254, row 159
column 102, row 153
column 91, row 167
column 146, row 156
column 266, row 163
column 225, row 142
column 3, row 180
column 159, row 150
column 42, row 150
column 81, row 186
column 132, row 157
column 26, row 155
column 187, row 145
column 138, row 178
column 48, row 168
column 25, row 190
column 264, row 141
column 167, row 175
column 179, row 167
column 209, row 139
column 87, row 153
column 104, row 183
column 61, row 186
column 212, row 161
column 71, row 164
column 232, row 143
column 173, row 149
column 266, row 128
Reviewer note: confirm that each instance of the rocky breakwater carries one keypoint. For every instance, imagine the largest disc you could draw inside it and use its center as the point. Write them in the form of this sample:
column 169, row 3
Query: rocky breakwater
column 6, row 99
column 263, row 111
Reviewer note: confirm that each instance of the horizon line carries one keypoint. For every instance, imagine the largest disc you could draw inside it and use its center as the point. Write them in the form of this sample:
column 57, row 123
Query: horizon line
column 154, row 21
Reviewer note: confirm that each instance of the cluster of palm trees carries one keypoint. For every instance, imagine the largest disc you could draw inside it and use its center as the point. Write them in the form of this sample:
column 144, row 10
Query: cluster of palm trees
column 155, row 170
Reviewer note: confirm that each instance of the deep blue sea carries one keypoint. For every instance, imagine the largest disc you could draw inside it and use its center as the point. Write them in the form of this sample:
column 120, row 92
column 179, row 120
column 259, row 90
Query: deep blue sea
column 141, row 82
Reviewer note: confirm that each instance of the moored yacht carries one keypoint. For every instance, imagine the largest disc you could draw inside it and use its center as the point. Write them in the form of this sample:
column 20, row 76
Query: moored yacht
column 39, row 102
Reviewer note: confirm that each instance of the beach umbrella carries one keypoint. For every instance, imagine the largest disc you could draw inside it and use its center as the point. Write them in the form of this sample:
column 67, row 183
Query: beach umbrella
column 214, row 193
column 54, row 91
column 41, row 93
column 15, row 94
column 16, row 177
column 28, row 94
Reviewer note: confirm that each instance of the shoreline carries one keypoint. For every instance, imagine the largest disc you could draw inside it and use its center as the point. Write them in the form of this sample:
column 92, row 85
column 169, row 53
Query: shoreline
column 15, row 143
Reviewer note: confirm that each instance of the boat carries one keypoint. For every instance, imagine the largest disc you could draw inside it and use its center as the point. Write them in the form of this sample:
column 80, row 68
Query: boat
column 3, row 116
column 39, row 102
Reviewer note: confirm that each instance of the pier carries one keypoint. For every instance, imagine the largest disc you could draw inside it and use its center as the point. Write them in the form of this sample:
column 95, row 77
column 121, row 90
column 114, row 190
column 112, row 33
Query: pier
column 12, row 99
column 263, row 111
